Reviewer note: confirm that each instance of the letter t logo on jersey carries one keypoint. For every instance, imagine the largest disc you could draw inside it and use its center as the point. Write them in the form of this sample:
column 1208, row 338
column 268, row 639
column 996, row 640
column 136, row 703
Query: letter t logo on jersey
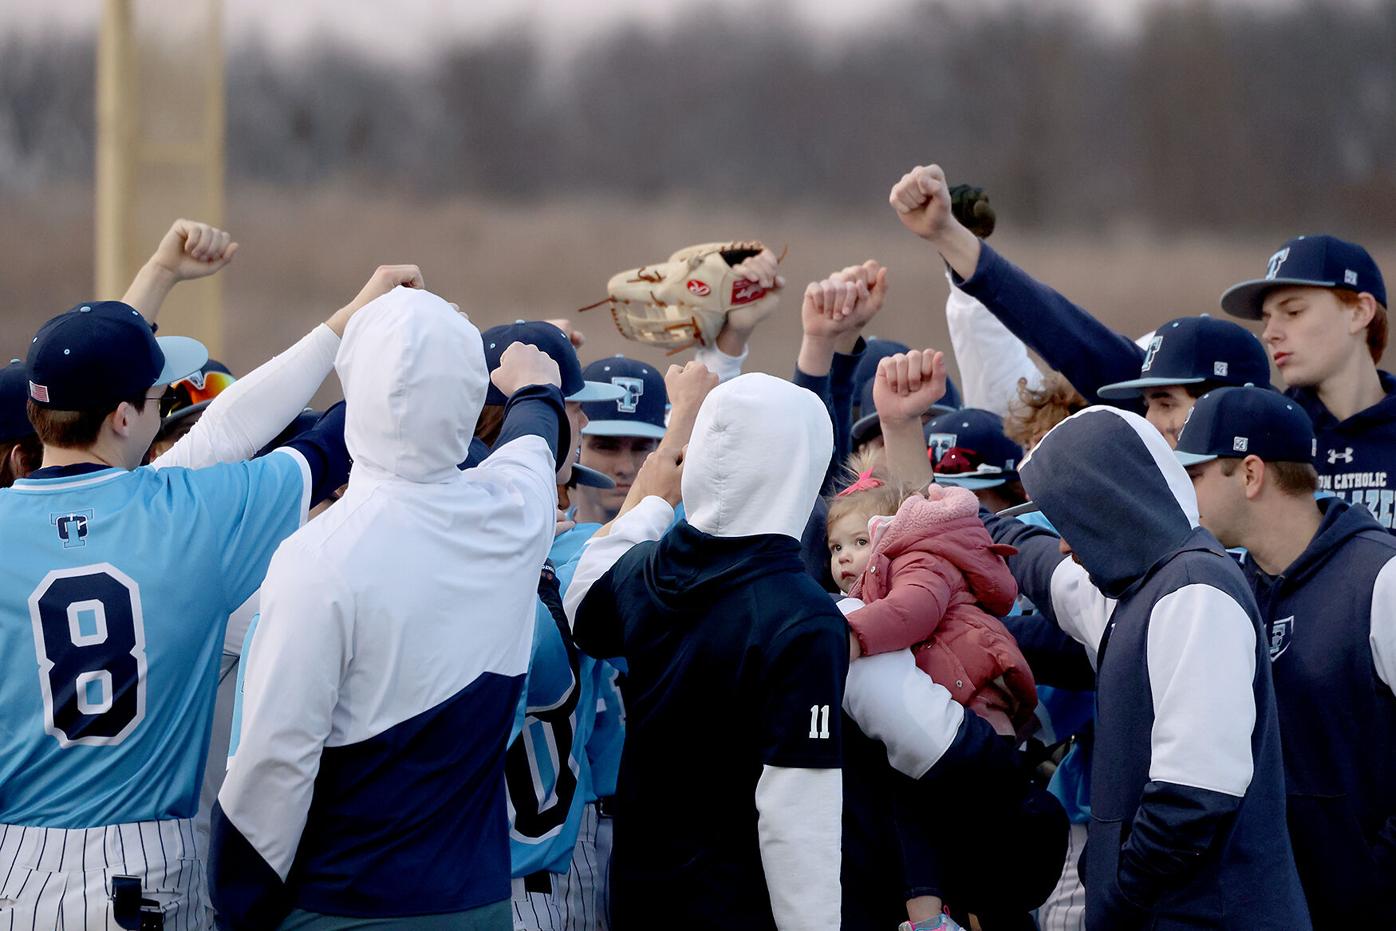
column 72, row 527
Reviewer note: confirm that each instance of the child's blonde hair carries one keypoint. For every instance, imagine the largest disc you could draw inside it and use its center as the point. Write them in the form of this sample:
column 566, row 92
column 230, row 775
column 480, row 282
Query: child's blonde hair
column 882, row 498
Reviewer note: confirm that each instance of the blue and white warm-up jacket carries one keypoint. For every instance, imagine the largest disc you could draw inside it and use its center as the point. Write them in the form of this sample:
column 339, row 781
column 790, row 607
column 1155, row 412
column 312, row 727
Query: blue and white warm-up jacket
column 1187, row 784
column 381, row 685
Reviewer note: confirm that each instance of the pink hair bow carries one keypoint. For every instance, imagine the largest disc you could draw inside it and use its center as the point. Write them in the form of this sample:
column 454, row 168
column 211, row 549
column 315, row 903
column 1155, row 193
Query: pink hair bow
column 864, row 482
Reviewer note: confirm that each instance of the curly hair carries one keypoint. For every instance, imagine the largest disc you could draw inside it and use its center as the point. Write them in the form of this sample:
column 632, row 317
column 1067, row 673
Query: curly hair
column 1038, row 410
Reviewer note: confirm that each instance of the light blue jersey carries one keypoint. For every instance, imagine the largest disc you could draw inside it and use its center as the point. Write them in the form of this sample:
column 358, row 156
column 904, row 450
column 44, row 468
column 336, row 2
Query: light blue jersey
column 115, row 590
column 547, row 770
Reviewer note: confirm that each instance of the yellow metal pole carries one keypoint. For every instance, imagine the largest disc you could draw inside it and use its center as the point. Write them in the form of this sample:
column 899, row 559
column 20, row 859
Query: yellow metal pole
column 115, row 147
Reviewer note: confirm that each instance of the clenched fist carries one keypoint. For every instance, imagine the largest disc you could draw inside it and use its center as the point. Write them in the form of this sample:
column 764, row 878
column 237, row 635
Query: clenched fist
column 922, row 201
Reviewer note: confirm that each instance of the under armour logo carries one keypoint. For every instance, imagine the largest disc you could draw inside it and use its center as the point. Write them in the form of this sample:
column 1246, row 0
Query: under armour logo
column 72, row 527
column 629, row 402
column 1345, row 455
column 1154, row 345
column 1276, row 260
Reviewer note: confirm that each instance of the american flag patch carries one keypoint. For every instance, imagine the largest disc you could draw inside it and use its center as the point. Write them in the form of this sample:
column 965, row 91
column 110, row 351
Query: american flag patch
column 38, row 392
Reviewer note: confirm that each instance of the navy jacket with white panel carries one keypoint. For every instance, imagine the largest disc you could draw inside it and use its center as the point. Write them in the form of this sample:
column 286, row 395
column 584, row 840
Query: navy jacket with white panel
column 1331, row 630
column 395, row 634
column 1356, row 457
column 1188, row 795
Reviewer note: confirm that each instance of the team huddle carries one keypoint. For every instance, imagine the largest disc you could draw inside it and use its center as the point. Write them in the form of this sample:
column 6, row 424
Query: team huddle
column 506, row 641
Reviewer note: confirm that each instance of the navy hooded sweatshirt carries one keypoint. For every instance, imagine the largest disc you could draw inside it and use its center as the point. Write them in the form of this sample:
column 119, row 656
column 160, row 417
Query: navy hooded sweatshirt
column 1331, row 630
column 1187, row 795
column 1356, row 457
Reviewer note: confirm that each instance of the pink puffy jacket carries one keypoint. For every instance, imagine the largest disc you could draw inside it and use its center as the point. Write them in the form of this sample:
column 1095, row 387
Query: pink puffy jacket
column 937, row 583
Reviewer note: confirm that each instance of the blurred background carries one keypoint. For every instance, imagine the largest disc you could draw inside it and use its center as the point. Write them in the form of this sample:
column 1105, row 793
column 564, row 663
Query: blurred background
column 1141, row 155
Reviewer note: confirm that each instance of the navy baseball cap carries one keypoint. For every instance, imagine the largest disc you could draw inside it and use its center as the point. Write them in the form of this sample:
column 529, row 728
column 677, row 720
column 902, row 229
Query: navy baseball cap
column 969, row 448
column 555, row 343
column 14, row 416
column 868, row 426
column 102, row 353
column 1191, row 350
column 1308, row 261
column 639, row 411
column 1232, row 423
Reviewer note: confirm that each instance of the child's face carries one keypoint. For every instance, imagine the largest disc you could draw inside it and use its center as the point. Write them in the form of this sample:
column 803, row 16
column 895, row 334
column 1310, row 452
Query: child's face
column 849, row 549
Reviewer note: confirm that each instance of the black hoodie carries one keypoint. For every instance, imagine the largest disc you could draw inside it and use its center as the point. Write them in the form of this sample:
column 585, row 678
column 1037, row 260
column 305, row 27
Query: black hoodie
column 1325, row 616
column 1187, row 795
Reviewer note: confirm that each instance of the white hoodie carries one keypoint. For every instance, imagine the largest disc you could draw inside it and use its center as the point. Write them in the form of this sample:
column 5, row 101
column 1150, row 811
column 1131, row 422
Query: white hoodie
column 413, row 594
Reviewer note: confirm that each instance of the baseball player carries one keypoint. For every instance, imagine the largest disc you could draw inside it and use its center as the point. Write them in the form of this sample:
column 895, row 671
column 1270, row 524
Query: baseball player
column 117, row 589
column 1187, row 783
column 748, row 698
column 1322, row 303
column 1324, row 575
column 367, row 789
column 620, row 433
column 1183, row 359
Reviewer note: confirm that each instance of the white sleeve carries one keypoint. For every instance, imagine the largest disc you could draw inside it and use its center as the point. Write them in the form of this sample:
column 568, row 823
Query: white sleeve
column 722, row 365
column 1079, row 607
column 800, row 827
column 254, row 409
column 892, row 700
column 646, row 521
column 991, row 359
column 1202, row 667
column 1383, row 636
column 290, row 689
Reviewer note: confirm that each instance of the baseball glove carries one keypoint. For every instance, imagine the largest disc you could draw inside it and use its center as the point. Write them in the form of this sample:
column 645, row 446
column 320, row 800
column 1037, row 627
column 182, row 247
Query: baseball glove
column 685, row 301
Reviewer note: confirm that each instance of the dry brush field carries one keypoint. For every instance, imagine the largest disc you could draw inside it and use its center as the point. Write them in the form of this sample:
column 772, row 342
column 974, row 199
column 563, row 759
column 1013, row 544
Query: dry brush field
column 306, row 252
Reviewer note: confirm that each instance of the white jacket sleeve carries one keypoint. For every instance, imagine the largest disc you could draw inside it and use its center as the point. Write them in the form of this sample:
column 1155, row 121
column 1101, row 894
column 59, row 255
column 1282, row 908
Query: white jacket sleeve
column 646, row 521
column 892, row 700
column 254, row 409
column 1202, row 663
column 722, row 365
column 1383, row 636
column 991, row 359
column 297, row 662
column 800, row 827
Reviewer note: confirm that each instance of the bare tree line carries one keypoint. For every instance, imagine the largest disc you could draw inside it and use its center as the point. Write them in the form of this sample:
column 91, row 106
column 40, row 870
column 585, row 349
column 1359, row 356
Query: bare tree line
column 1206, row 116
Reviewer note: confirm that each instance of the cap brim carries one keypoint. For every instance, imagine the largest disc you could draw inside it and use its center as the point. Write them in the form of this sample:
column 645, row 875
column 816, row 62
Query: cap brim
column 591, row 478
column 1192, row 459
column 864, row 429
column 1027, row 507
column 972, row 482
column 624, row 428
column 183, row 412
column 183, row 357
column 1136, row 387
column 1246, row 299
column 597, row 391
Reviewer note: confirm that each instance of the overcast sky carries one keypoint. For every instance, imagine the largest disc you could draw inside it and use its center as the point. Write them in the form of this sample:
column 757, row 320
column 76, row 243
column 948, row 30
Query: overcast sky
column 418, row 24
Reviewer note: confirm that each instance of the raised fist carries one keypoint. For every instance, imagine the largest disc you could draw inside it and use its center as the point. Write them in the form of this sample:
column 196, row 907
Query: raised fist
column 908, row 383
column 191, row 249
column 523, row 364
column 922, row 201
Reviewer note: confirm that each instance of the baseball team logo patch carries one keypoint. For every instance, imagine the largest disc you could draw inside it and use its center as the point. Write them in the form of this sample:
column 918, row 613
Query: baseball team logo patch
column 1154, row 345
column 629, row 402
column 698, row 288
column 1281, row 633
column 72, row 527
